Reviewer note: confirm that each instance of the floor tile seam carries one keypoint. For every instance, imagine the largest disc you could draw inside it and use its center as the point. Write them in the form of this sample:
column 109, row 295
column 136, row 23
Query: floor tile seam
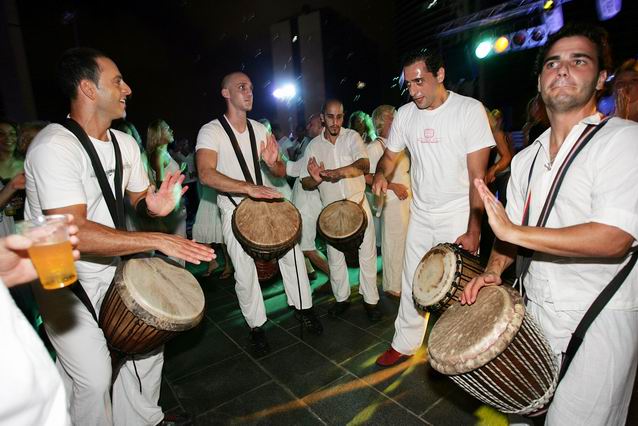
column 434, row 404
column 177, row 379
column 272, row 377
column 179, row 404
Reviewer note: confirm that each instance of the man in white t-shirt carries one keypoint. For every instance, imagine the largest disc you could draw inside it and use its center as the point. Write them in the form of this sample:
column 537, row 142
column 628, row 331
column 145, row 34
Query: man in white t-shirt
column 61, row 180
column 395, row 204
column 219, row 168
column 31, row 390
column 337, row 161
column 589, row 236
column 449, row 139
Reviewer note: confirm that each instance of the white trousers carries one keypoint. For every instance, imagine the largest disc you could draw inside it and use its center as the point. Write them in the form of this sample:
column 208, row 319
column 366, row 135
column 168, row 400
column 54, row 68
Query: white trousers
column 251, row 301
column 367, row 267
column 395, row 217
column 84, row 363
column 309, row 205
column 598, row 385
column 424, row 232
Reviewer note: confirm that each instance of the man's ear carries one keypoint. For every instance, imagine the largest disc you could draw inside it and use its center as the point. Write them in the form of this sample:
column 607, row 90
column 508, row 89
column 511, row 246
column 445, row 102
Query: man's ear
column 88, row 89
column 602, row 77
column 440, row 75
column 225, row 93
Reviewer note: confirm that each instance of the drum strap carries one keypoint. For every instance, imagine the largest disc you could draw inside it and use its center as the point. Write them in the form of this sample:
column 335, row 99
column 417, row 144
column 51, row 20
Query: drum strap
column 525, row 259
column 240, row 157
column 115, row 203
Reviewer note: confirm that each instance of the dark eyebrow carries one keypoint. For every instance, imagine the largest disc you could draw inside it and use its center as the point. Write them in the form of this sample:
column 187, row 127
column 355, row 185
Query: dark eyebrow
column 551, row 58
column 582, row 55
column 573, row 56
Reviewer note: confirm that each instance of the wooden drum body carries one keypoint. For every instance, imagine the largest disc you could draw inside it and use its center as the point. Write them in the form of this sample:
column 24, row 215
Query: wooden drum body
column 343, row 224
column 442, row 275
column 148, row 302
column 495, row 351
column 266, row 229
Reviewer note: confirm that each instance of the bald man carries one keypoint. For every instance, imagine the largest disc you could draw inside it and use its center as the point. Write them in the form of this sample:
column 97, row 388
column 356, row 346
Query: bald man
column 219, row 168
column 336, row 163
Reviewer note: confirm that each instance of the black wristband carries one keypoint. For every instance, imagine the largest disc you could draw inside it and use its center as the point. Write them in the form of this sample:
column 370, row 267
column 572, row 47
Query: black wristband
column 142, row 210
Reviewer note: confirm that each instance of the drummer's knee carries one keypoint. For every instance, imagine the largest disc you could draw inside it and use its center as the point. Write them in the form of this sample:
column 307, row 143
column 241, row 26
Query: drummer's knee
column 95, row 383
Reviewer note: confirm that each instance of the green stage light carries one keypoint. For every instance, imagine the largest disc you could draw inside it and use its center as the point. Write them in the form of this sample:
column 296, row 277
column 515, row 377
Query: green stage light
column 483, row 49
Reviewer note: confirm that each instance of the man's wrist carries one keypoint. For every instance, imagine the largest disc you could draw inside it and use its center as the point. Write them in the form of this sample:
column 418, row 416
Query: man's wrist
column 142, row 210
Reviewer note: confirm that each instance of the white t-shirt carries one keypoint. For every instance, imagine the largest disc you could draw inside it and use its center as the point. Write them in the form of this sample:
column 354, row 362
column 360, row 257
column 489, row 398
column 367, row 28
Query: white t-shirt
column 31, row 390
column 401, row 171
column 599, row 186
column 213, row 136
column 439, row 141
column 59, row 174
column 347, row 149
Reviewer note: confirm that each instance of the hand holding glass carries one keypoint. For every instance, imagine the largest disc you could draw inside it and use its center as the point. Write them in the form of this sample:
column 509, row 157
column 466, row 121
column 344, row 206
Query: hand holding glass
column 51, row 252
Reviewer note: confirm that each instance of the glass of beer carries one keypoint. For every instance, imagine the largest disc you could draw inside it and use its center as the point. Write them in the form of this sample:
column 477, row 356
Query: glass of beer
column 51, row 252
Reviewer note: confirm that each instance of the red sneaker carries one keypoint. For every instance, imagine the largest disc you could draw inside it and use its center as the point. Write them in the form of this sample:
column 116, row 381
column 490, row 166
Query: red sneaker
column 391, row 357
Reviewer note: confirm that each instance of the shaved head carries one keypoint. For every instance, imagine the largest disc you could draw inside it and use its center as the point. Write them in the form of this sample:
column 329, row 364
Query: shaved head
column 229, row 78
column 329, row 103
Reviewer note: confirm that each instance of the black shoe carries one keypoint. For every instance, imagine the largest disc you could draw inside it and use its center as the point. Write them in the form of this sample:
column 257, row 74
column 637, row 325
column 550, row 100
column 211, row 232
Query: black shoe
column 373, row 312
column 309, row 320
column 259, row 342
column 312, row 275
column 339, row 308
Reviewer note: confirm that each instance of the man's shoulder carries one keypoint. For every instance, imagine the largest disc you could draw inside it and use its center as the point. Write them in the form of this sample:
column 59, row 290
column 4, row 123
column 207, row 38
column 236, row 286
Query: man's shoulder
column 406, row 109
column 53, row 137
column 464, row 102
column 212, row 126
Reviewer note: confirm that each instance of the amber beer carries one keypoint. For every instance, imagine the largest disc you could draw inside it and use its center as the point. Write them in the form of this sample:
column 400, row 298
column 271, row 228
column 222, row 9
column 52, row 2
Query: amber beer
column 54, row 264
column 51, row 251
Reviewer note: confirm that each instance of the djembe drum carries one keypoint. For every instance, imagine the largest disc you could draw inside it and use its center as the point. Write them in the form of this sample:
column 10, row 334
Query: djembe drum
column 149, row 301
column 343, row 225
column 441, row 276
column 267, row 230
column 495, row 351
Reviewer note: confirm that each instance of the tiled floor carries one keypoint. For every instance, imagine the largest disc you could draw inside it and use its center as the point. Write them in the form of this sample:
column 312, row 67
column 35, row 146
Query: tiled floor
column 332, row 379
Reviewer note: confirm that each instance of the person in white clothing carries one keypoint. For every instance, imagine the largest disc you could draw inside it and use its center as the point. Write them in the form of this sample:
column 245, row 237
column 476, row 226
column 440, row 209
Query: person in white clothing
column 219, row 168
column 449, row 139
column 590, row 232
column 395, row 205
column 337, row 161
column 31, row 390
column 307, row 202
column 61, row 180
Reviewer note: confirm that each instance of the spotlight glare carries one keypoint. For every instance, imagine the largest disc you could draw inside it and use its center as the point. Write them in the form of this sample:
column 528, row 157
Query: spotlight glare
column 483, row 49
column 285, row 92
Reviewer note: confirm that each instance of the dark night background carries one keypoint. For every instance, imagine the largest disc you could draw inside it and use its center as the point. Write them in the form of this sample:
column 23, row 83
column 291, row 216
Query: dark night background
column 174, row 53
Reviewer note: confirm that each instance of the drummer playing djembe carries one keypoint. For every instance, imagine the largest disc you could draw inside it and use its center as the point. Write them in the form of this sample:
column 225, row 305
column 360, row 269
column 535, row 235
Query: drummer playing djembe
column 588, row 235
column 337, row 161
column 219, row 167
column 61, row 179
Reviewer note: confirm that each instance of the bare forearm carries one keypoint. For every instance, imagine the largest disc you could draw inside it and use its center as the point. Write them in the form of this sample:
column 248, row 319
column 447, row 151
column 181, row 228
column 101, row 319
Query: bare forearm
column 309, row 183
column 223, row 183
column 584, row 240
column 387, row 164
column 476, row 211
column 5, row 195
column 278, row 169
column 100, row 240
column 503, row 255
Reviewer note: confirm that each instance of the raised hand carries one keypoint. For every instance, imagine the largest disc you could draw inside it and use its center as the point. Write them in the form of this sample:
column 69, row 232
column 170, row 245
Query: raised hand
column 497, row 218
column 163, row 201
column 315, row 169
column 269, row 150
column 180, row 247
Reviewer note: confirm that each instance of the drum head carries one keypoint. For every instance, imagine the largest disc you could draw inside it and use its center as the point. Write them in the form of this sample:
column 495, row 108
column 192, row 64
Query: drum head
column 163, row 295
column 467, row 337
column 341, row 219
column 267, row 224
column 434, row 275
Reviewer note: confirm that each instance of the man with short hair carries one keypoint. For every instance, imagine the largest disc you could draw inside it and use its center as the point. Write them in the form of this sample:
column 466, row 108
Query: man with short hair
column 219, row 168
column 590, row 232
column 61, row 180
column 337, row 161
column 449, row 138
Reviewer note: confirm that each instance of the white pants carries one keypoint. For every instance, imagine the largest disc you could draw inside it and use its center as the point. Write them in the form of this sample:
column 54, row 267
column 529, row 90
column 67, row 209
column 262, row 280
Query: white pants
column 309, row 205
column 84, row 363
column 251, row 301
column 395, row 216
column 597, row 387
column 367, row 267
column 424, row 232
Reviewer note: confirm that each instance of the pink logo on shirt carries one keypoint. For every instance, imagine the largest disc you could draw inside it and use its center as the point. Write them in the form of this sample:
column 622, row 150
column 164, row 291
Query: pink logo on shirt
column 428, row 137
